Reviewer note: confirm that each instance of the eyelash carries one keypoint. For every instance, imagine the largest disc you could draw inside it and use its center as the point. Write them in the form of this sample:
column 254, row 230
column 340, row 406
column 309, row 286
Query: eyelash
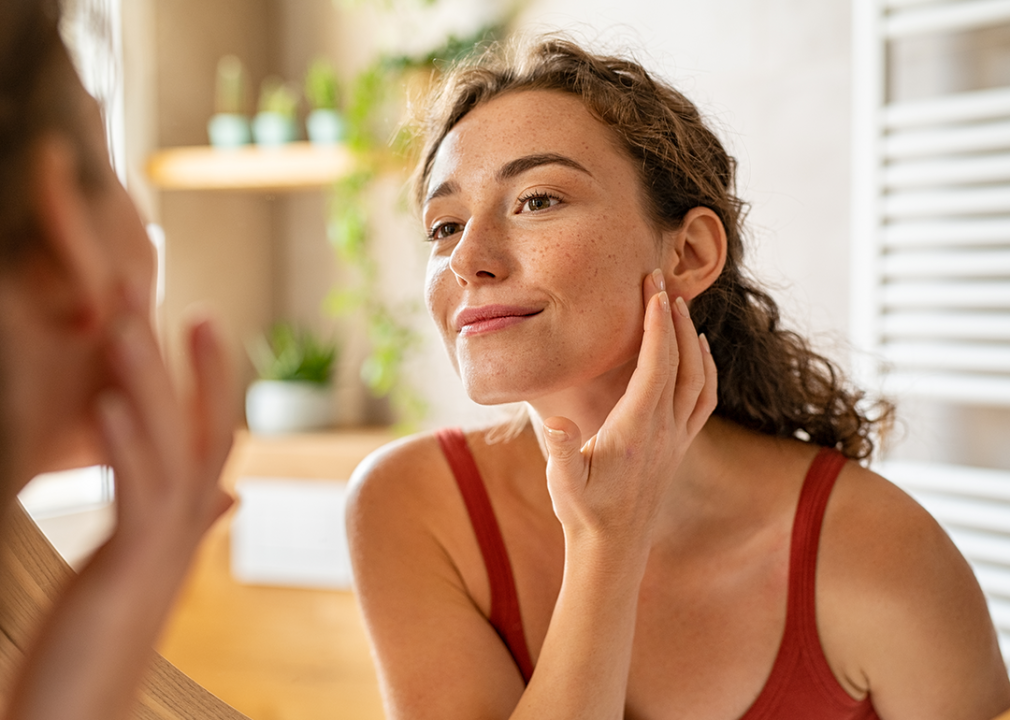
column 438, row 226
column 535, row 195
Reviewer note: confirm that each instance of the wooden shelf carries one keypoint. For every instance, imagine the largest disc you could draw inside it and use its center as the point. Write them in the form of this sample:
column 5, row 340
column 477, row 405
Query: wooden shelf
column 296, row 166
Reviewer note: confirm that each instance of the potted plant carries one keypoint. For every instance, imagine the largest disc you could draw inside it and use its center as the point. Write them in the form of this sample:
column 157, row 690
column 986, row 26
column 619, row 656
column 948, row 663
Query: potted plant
column 293, row 392
column 274, row 124
column 229, row 127
column 324, row 124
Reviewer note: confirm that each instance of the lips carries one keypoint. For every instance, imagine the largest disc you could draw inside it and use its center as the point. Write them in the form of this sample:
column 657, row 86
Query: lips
column 487, row 318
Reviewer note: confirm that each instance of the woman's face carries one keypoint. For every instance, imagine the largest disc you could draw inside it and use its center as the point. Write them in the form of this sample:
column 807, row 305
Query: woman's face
column 120, row 268
column 539, row 247
column 115, row 222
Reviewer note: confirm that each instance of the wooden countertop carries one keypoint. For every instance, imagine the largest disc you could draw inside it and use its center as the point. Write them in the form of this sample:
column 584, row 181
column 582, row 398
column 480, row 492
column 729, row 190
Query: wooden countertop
column 276, row 653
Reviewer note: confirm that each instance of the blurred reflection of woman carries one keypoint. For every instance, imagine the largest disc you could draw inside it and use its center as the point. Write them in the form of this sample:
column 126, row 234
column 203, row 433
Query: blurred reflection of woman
column 82, row 381
column 701, row 547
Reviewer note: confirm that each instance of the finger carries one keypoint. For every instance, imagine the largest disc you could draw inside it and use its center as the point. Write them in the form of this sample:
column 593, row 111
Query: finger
column 144, row 379
column 213, row 408
column 122, row 441
column 709, row 398
column 653, row 283
column 653, row 372
column 691, row 369
column 567, row 467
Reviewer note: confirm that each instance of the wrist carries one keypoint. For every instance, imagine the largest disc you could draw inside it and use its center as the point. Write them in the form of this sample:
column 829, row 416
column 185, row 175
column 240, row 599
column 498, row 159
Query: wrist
column 612, row 557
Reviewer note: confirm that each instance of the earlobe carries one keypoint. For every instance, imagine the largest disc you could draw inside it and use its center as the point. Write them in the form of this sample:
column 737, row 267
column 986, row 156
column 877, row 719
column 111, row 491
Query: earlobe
column 68, row 263
column 695, row 252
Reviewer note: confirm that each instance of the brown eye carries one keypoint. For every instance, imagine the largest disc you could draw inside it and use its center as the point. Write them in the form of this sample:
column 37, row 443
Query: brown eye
column 537, row 202
column 443, row 230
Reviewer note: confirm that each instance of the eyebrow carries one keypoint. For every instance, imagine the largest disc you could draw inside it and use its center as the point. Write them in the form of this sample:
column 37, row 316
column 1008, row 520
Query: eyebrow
column 512, row 169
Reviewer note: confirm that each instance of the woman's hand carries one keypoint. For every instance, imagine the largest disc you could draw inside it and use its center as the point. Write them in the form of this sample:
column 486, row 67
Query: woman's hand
column 93, row 649
column 167, row 455
column 612, row 486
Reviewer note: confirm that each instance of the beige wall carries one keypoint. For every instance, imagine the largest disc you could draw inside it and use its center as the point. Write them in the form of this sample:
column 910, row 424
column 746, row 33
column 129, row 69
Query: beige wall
column 773, row 76
column 254, row 258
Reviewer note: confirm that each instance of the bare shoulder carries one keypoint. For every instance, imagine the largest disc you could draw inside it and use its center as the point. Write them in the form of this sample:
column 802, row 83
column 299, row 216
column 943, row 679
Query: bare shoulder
column 416, row 563
column 877, row 537
column 900, row 613
column 404, row 504
column 398, row 475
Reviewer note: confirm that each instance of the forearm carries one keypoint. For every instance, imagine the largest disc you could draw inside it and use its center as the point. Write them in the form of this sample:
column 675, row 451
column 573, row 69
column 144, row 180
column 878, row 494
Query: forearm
column 92, row 651
column 582, row 671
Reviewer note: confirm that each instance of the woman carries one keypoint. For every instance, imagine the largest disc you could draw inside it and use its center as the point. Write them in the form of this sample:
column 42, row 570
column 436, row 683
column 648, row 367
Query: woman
column 82, row 382
column 701, row 547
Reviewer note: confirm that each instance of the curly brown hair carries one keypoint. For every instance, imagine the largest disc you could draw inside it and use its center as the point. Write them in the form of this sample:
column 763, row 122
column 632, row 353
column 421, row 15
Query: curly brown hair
column 770, row 380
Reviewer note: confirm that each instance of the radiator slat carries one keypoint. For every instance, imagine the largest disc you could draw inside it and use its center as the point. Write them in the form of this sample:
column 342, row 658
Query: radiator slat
column 954, row 325
column 957, row 232
column 955, row 108
column 946, row 17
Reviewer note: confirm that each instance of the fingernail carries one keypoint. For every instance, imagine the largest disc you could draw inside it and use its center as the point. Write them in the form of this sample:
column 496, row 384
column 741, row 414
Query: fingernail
column 203, row 334
column 555, row 433
column 664, row 301
column 704, row 343
column 682, row 307
column 657, row 277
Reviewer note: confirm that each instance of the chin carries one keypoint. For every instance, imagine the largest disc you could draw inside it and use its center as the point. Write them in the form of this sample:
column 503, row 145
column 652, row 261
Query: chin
column 487, row 386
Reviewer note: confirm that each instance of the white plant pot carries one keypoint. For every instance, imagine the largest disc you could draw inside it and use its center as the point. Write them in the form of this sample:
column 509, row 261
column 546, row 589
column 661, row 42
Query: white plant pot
column 272, row 129
column 274, row 407
column 325, row 127
column 228, row 131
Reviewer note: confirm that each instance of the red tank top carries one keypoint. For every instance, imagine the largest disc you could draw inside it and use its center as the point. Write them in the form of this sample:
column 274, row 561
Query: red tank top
column 801, row 684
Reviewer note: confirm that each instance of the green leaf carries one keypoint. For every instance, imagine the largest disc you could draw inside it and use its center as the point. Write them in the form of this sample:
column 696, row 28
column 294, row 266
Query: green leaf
column 288, row 353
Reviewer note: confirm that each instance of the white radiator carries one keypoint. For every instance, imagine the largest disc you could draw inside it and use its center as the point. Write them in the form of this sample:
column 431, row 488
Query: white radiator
column 931, row 222
column 930, row 312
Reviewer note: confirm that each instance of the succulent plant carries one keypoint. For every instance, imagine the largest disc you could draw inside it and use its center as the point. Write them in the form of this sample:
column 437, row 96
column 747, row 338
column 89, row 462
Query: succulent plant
column 229, row 95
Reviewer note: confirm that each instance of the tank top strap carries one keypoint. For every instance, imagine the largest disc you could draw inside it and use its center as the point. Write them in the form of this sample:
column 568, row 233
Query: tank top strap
column 505, row 616
column 801, row 609
column 801, row 683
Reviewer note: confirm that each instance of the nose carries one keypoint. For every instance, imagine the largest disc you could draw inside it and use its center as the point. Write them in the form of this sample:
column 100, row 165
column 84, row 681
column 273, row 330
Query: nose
column 480, row 255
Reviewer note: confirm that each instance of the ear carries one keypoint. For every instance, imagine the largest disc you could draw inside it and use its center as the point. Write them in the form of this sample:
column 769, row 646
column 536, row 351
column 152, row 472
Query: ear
column 68, row 269
column 694, row 253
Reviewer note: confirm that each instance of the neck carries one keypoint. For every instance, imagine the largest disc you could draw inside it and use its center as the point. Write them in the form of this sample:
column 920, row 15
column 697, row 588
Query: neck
column 707, row 490
column 586, row 405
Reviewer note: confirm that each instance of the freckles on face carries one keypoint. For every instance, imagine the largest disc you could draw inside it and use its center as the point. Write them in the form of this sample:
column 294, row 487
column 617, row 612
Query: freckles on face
column 534, row 211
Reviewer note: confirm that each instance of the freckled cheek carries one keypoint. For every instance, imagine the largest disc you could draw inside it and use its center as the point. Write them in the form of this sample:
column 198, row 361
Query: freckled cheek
column 591, row 261
column 439, row 288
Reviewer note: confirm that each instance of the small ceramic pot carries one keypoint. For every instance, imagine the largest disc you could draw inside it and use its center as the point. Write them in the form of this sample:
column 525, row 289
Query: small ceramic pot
column 325, row 127
column 226, row 130
column 273, row 129
column 274, row 407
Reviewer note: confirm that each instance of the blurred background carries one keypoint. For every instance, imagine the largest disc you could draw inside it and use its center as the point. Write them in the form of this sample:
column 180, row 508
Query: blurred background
column 873, row 140
column 779, row 79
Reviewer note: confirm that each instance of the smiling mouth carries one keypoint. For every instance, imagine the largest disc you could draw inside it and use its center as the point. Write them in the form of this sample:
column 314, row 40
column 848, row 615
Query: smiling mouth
column 479, row 320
